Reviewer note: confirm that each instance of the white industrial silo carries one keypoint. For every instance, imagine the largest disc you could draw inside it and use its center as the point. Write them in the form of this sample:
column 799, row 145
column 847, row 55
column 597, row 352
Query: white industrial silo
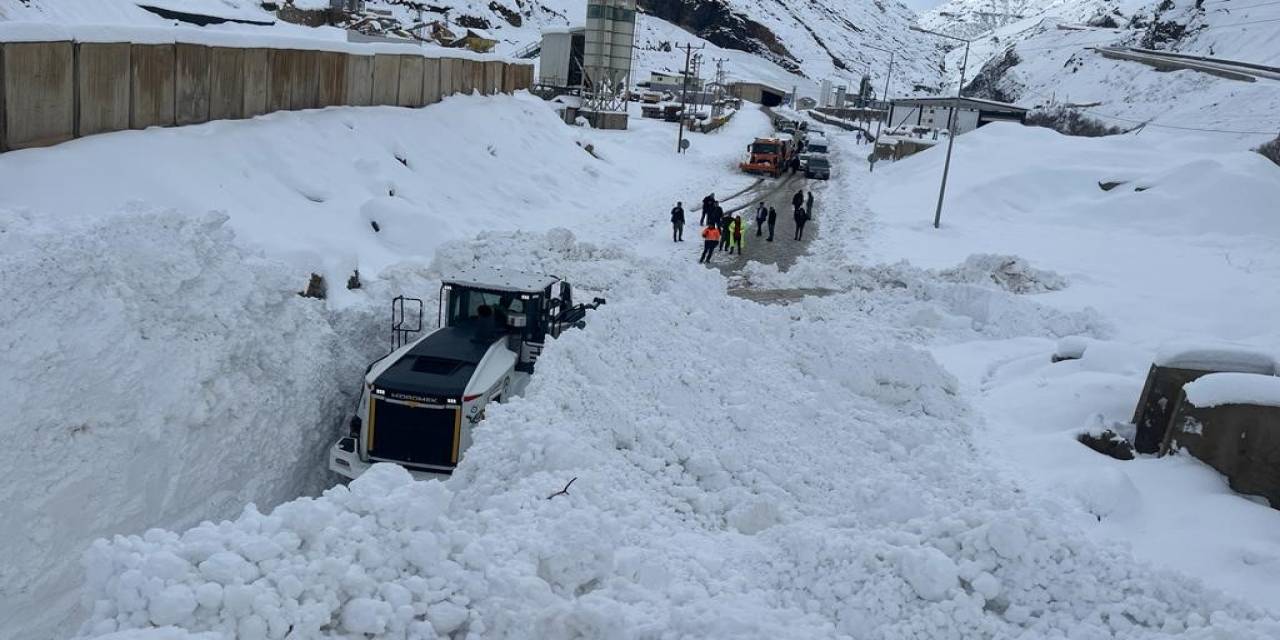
column 606, row 59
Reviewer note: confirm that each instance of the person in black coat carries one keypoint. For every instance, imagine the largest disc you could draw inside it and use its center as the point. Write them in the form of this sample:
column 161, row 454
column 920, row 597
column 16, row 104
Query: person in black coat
column 677, row 223
column 772, row 220
column 797, row 200
column 708, row 203
column 808, row 205
column 726, row 232
column 801, row 217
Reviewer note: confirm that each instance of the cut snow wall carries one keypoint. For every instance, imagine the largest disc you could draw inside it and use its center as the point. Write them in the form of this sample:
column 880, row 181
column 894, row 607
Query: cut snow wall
column 57, row 90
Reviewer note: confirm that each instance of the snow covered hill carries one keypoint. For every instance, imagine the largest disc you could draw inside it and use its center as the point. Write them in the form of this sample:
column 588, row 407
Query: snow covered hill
column 783, row 44
column 1045, row 59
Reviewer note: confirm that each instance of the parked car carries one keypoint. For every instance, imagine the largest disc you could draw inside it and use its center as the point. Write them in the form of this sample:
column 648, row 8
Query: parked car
column 818, row 168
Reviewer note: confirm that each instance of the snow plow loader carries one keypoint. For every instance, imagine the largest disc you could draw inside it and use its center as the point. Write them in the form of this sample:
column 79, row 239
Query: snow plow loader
column 420, row 402
column 768, row 156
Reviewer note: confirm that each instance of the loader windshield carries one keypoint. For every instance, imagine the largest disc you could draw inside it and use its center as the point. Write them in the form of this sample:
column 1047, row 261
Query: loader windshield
column 465, row 307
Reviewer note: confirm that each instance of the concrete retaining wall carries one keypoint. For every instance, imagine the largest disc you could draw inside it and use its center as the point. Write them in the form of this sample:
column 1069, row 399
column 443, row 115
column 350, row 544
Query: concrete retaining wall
column 359, row 81
column 102, row 78
column 191, row 98
column 257, row 81
column 410, row 81
column 226, row 83
column 386, row 79
column 430, row 81
column 151, row 91
column 39, row 92
column 55, row 91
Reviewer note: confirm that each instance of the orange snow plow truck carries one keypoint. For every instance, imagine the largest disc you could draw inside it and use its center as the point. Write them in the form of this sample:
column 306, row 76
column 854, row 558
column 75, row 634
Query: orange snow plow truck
column 769, row 155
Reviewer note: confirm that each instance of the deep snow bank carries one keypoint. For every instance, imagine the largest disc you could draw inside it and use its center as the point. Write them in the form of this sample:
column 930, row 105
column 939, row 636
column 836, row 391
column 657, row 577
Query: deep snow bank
column 1184, row 248
column 153, row 372
column 752, row 471
column 169, row 369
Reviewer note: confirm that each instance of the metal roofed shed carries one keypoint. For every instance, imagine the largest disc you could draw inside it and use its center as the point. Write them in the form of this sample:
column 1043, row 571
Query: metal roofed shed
column 493, row 279
column 934, row 113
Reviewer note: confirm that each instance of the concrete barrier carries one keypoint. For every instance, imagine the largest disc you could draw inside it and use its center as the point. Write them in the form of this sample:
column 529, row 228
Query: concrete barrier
column 449, row 71
column 359, row 80
column 304, row 79
column 39, row 89
column 410, row 94
column 56, row 91
column 278, row 90
column 151, row 88
column 472, row 77
column 102, row 80
column 257, row 81
column 508, row 78
column 226, row 83
column 430, row 81
column 493, row 71
column 386, row 79
column 191, row 97
column 333, row 79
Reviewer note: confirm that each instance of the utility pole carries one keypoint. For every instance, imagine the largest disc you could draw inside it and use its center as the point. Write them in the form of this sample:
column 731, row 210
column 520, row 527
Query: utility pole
column 684, row 92
column 951, row 123
column 880, row 121
column 717, row 107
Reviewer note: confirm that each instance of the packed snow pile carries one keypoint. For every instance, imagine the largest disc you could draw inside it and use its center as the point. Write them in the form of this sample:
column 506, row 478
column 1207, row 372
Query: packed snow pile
column 1217, row 389
column 1215, row 356
column 707, row 502
column 1011, row 273
column 1182, row 253
column 159, row 370
column 160, row 352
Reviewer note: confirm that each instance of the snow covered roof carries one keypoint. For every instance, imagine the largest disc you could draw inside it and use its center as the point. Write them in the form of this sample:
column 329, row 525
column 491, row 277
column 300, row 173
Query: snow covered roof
column 1215, row 356
column 1217, row 389
column 973, row 103
column 501, row 280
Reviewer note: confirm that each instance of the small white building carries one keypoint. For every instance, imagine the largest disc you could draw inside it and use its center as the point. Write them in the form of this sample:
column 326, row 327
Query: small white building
column 560, row 60
column 934, row 113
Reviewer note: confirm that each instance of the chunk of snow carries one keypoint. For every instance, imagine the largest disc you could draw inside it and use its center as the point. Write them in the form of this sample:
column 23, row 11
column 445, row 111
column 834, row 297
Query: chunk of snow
column 930, row 572
column 1217, row 389
column 365, row 615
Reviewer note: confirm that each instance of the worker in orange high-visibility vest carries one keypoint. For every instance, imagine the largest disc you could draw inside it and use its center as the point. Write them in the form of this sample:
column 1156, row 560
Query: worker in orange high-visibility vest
column 710, row 239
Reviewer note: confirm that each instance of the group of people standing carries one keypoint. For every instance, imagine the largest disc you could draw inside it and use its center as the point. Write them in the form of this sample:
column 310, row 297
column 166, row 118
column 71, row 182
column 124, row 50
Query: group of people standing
column 727, row 232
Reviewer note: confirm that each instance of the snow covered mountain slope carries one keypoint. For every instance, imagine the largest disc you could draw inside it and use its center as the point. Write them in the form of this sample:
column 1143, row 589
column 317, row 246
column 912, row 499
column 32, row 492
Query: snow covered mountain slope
column 816, row 40
column 1037, row 62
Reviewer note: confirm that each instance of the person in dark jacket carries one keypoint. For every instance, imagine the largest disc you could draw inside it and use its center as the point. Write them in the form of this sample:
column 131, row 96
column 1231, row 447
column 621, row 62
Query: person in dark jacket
column 795, row 164
column 762, row 213
column 707, row 204
column 726, row 233
column 677, row 223
column 797, row 200
column 808, row 205
column 801, row 217
column 772, row 220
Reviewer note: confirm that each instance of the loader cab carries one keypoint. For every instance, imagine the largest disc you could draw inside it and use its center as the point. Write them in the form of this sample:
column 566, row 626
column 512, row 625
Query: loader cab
column 422, row 400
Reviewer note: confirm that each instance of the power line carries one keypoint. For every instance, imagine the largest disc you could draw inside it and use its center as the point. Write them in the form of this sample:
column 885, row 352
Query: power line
column 1148, row 123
